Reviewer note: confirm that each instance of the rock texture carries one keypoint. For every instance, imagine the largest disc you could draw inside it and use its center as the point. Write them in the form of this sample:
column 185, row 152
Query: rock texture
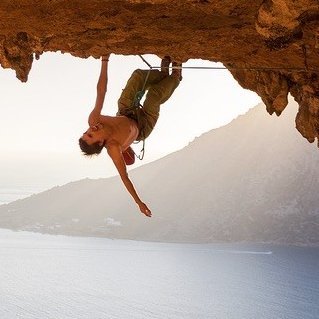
column 270, row 46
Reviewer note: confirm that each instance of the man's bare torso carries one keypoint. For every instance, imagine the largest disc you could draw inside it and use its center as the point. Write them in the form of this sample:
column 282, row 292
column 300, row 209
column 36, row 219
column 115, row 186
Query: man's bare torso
column 119, row 129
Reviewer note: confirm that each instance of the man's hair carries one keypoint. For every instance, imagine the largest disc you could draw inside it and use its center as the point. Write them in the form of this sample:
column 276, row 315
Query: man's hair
column 92, row 149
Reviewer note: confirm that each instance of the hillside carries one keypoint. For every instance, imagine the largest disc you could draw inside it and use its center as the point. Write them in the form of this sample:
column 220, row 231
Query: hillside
column 254, row 180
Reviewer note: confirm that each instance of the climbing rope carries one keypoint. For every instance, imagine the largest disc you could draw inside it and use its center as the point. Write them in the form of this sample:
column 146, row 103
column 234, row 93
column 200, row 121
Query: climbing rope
column 306, row 69
column 138, row 106
column 146, row 62
column 238, row 68
column 139, row 95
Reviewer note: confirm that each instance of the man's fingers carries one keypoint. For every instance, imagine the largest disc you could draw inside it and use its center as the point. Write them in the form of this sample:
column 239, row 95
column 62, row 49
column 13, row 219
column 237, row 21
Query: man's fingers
column 145, row 210
column 148, row 213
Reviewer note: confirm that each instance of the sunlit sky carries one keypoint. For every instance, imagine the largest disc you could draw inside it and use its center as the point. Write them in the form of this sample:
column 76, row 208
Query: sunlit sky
column 41, row 120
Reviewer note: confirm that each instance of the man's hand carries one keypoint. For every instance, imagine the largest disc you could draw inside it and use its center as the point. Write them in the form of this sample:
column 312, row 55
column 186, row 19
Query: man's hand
column 144, row 209
column 105, row 57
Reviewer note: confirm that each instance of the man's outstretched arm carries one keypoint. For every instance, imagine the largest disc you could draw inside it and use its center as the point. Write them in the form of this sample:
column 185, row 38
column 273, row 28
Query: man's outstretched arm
column 101, row 89
column 115, row 153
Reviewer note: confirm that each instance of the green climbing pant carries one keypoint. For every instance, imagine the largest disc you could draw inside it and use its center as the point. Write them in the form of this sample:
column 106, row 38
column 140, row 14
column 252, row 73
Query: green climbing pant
column 159, row 88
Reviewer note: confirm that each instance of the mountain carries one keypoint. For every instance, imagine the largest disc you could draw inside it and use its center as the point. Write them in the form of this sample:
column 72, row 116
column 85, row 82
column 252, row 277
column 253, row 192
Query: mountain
column 253, row 180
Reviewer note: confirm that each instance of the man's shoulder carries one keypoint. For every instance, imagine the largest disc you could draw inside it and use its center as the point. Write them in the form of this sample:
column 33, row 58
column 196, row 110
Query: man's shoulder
column 112, row 146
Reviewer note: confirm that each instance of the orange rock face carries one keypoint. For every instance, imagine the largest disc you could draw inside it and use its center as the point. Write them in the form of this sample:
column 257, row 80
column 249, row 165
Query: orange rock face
column 271, row 46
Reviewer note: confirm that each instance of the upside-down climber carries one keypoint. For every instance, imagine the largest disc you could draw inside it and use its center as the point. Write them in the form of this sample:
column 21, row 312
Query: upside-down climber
column 131, row 123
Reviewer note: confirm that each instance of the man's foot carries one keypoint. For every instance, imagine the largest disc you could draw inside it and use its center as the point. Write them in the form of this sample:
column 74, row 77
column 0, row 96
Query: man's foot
column 177, row 70
column 166, row 61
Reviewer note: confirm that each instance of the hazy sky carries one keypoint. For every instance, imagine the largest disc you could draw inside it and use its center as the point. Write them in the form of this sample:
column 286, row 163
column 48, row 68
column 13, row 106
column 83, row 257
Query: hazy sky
column 41, row 120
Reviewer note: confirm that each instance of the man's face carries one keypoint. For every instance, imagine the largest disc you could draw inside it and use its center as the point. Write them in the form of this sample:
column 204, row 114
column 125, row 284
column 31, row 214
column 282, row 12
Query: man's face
column 92, row 135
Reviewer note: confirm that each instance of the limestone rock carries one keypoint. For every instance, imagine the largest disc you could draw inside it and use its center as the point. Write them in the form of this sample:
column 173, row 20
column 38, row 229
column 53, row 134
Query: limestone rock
column 271, row 46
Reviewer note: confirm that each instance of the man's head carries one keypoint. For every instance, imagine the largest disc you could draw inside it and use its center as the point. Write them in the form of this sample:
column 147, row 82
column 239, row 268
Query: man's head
column 92, row 141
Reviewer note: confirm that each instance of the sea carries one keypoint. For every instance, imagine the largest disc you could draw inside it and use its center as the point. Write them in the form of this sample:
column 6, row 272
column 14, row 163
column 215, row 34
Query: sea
column 64, row 277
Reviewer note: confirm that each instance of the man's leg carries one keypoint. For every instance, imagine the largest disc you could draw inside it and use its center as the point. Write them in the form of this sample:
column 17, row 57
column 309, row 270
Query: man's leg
column 135, row 84
column 157, row 94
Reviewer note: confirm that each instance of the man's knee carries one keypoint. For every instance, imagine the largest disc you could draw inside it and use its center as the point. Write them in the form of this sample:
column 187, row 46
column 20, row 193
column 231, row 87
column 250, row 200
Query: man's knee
column 139, row 72
column 160, row 93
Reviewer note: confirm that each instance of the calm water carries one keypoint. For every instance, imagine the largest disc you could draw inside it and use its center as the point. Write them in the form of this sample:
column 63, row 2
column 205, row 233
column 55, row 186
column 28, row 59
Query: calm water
column 57, row 277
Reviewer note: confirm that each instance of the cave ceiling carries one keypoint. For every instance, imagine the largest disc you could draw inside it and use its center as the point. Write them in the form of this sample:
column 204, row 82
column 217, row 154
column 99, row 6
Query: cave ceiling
column 271, row 47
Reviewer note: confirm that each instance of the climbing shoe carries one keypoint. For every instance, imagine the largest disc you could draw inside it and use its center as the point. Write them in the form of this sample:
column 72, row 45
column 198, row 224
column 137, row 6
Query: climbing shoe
column 166, row 61
column 177, row 70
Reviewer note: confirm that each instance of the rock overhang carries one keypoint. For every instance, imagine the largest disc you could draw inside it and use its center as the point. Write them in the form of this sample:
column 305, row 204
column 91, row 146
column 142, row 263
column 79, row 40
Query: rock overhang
column 271, row 47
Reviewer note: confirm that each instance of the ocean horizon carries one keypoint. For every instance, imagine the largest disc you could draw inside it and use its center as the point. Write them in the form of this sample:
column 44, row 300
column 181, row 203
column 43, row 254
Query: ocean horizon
column 8, row 195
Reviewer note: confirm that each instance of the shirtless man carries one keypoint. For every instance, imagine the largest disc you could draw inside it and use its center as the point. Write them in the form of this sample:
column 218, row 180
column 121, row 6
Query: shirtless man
column 117, row 133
